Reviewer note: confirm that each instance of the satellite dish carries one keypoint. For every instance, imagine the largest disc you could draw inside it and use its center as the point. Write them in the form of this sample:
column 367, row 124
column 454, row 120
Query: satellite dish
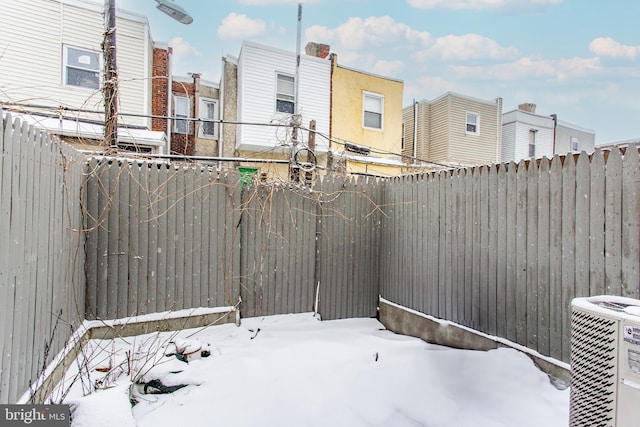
column 173, row 10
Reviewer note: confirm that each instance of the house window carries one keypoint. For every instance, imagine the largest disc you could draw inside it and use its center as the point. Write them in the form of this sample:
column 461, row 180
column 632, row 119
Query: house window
column 285, row 94
column 532, row 143
column 181, row 111
column 81, row 67
column 473, row 123
column 575, row 144
column 373, row 110
column 208, row 110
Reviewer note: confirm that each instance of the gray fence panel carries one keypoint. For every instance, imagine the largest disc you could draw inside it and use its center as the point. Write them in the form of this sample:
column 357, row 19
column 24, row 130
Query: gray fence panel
column 535, row 237
column 151, row 245
column 40, row 259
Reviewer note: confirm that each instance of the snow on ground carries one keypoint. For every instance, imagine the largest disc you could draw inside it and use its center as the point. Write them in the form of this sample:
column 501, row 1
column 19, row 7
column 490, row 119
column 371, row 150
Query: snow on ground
column 294, row 370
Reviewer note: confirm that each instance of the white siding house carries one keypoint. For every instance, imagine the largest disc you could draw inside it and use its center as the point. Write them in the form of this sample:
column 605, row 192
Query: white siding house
column 526, row 135
column 52, row 57
column 266, row 82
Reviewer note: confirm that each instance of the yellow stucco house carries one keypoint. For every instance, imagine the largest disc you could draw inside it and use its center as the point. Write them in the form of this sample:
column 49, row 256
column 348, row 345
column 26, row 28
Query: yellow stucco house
column 366, row 121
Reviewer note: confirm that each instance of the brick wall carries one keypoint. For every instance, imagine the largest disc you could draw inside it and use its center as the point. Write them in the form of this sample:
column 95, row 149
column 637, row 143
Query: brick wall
column 160, row 89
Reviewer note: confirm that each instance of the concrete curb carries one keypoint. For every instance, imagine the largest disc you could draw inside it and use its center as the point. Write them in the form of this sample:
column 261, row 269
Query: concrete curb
column 403, row 321
column 111, row 330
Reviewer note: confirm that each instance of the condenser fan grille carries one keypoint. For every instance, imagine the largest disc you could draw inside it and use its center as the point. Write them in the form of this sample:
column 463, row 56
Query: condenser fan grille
column 593, row 370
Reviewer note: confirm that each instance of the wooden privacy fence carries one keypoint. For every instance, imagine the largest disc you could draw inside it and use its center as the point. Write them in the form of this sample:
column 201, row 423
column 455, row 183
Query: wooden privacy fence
column 41, row 252
column 160, row 237
column 503, row 249
column 303, row 249
column 164, row 237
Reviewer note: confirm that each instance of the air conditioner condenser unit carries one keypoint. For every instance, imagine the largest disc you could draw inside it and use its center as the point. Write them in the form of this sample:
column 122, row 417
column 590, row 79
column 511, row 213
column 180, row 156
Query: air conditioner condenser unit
column 605, row 362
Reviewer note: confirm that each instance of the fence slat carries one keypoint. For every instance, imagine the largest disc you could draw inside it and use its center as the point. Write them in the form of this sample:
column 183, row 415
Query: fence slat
column 555, row 259
column 613, row 224
column 532, row 256
column 630, row 224
column 543, row 260
column 596, row 225
column 511, row 253
column 502, row 302
column 521, row 251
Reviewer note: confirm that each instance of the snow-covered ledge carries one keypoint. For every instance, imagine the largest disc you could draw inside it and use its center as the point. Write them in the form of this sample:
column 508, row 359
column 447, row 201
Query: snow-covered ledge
column 130, row 326
column 405, row 321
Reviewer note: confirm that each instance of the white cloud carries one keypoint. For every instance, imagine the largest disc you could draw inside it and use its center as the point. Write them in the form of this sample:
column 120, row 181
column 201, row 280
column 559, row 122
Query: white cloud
column 437, row 85
column 524, row 68
column 358, row 33
column 182, row 49
column 388, row 68
column 468, row 46
column 272, row 2
column 607, row 47
column 236, row 26
column 478, row 4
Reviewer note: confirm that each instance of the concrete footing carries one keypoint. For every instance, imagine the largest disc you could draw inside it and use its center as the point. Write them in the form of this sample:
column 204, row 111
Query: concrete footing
column 117, row 329
column 406, row 322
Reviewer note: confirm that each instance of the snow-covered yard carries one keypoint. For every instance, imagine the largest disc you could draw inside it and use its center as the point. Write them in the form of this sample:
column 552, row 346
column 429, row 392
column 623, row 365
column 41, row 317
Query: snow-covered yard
column 294, row 370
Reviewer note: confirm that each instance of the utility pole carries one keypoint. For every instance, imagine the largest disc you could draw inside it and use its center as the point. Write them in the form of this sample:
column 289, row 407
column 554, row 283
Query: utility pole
column 110, row 88
column 308, row 176
column 295, row 170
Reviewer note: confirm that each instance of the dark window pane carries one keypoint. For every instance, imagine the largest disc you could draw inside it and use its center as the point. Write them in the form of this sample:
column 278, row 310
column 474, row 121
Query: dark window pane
column 209, row 128
column 284, row 106
column 471, row 128
column 372, row 120
column 83, row 78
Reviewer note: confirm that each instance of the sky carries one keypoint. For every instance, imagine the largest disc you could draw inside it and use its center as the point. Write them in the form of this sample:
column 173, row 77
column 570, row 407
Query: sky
column 579, row 59
column 294, row 370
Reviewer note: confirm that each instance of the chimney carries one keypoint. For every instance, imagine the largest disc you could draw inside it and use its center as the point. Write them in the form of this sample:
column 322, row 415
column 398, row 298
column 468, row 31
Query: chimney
column 528, row 107
column 318, row 50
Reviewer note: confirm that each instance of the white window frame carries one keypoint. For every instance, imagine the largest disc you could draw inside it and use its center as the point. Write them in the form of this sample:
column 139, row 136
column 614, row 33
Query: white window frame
column 66, row 66
column 476, row 124
column 202, row 115
column 378, row 97
column 285, row 97
column 178, row 126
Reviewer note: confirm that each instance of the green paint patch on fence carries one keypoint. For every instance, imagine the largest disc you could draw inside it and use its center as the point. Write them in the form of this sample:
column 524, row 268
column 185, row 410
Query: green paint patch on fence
column 247, row 175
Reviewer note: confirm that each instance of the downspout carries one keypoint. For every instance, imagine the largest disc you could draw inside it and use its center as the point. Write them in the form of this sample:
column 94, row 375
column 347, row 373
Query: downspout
column 221, row 111
column 555, row 124
column 169, row 97
column 415, row 131
column 498, row 130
